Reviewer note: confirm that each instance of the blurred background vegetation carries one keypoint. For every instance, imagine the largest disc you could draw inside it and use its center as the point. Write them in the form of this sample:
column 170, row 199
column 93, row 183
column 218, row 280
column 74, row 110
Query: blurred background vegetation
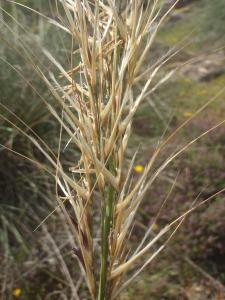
column 193, row 266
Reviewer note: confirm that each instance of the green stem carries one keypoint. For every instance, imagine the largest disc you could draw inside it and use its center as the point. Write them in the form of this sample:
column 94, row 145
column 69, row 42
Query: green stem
column 106, row 224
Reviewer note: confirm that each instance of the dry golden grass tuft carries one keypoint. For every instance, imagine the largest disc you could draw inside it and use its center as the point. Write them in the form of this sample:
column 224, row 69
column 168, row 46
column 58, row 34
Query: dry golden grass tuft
column 109, row 46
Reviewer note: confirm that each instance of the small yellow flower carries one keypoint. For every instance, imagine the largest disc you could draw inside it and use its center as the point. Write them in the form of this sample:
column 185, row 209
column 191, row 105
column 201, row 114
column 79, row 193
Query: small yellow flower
column 17, row 292
column 138, row 168
column 155, row 227
column 188, row 114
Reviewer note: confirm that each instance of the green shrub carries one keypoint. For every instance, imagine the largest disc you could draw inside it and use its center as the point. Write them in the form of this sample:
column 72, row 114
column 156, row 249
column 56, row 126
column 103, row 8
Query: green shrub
column 212, row 18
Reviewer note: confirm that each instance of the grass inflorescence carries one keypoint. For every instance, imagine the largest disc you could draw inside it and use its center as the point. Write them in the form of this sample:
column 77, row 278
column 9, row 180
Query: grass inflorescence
column 96, row 100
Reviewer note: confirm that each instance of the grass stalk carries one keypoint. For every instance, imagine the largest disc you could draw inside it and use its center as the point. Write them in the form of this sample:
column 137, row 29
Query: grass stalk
column 106, row 226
